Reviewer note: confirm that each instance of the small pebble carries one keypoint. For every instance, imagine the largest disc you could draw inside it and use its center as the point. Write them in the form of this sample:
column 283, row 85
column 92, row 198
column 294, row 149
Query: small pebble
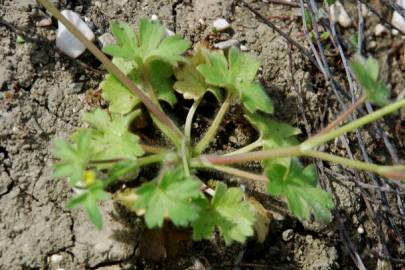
column 287, row 235
column 97, row 4
column 226, row 44
column 243, row 48
column 221, row 24
column 45, row 22
column 169, row 33
column 106, row 39
column 360, row 229
column 56, row 258
column 154, row 18
column 338, row 14
column 379, row 30
column 201, row 21
column 397, row 20
column 66, row 41
column 364, row 10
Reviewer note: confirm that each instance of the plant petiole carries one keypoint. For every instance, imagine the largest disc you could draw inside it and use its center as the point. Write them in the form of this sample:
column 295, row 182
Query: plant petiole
column 213, row 129
column 232, row 171
column 258, row 143
column 318, row 140
column 155, row 158
column 189, row 118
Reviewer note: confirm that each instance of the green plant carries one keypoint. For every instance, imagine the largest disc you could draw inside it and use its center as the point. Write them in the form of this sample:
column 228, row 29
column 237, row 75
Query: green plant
column 150, row 66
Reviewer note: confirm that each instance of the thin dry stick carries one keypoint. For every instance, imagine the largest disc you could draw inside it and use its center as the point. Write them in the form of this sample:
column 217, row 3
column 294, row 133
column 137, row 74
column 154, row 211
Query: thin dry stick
column 111, row 67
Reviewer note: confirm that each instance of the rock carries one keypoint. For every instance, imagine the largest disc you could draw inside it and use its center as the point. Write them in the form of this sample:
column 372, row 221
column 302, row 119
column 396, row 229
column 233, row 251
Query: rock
column 360, row 229
column 45, row 22
column 243, row 48
column 154, row 18
column 397, row 20
column 169, row 32
column 221, row 24
column 364, row 10
column 226, row 44
column 106, row 39
column 379, row 29
column 287, row 235
column 56, row 258
column 338, row 14
column 66, row 41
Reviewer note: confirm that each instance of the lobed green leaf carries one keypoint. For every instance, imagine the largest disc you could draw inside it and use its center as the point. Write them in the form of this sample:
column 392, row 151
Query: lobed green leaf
column 228, row 212
column 169, row 197
column 366, row 72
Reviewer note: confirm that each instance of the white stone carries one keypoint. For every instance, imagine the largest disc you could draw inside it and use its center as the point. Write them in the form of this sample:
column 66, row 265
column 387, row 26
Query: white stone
column 338, row 14
column 56, row 258
column 221, row 24
column 364, row 10
column 360, row 229
column 169, row 32
column 379, row 29
column 106, row 39
column 243, row 48
column 45, row 22
column 397, row 20
column 201, row 21
column 66, row 41
column 226, row 44
column 154, row 18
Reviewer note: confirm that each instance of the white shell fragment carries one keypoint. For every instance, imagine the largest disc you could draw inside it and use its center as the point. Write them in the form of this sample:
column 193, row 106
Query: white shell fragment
column 66, row 41
column 221, row 24
column 379, row 30
column 397, row 20
column 226, row 44
column 338, row 14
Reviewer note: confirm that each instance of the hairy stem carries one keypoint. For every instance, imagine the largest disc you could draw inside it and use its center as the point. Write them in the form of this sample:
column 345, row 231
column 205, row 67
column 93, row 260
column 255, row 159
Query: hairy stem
column 212, row 130
column 185, row 157
column 233, row 171
column 342, row 117
column 189, row 118
column 321, row 139
column 156, row 158
column 163, row 118
column 252, row 156
column 247, row 148
column 153, row 149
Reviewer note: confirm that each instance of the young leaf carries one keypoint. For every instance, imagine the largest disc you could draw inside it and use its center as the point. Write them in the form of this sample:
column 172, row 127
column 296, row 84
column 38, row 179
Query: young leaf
column 111, row 138
column 274, row 134
column 121, row 99
column 169, row 197
column 190, row 82
column 236, row 75
column 161, row 81
column 254, row 98
column 73, row 157
column 366, row 72
column 151, row 43
column 227, row 211
column 299, row 186
column 126, row 46
column 89, row 201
